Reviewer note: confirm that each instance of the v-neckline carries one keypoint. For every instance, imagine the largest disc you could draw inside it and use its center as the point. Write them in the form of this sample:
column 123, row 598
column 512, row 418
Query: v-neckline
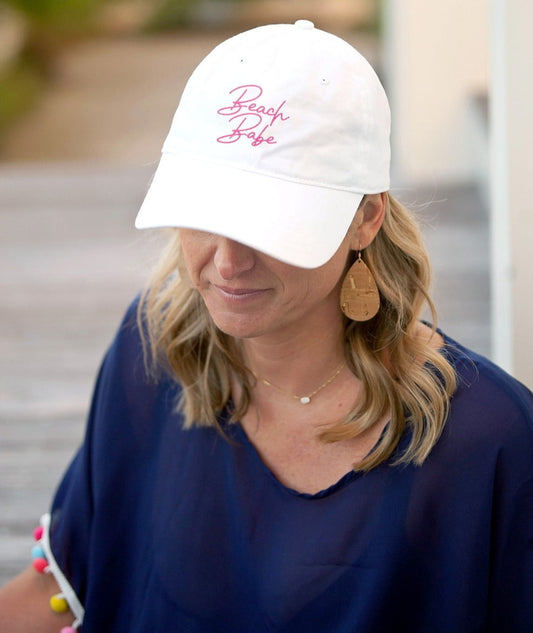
column 350, row 476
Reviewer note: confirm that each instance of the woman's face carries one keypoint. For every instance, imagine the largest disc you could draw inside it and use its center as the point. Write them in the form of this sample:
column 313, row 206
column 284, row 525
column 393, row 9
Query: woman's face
column 249, row 294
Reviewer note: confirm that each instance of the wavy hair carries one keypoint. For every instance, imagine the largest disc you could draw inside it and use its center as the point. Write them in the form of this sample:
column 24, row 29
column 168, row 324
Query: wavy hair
column 402, row 373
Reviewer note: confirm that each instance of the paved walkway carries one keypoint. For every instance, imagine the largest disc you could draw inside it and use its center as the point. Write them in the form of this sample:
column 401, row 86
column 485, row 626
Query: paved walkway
column 70, row 259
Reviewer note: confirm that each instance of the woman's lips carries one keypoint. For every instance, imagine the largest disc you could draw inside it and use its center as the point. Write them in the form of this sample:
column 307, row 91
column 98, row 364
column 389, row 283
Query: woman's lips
column 238, row 294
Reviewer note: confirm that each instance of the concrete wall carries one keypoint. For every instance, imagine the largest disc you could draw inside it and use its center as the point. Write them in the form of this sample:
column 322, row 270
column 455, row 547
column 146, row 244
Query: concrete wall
column 439, row 55
column 436, row 62
column 511, row 176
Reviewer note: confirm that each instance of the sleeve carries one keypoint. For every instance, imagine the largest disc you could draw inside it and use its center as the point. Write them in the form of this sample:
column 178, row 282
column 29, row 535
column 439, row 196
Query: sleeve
column 495, row 430
column 120, row 400
column 72, row 508
column 511, row 581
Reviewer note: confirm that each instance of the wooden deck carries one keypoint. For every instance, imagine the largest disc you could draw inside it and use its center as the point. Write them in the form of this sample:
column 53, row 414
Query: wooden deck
column 70, row 262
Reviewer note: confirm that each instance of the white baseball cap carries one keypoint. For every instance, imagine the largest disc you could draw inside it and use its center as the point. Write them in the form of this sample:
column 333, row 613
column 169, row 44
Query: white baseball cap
column 280, row 132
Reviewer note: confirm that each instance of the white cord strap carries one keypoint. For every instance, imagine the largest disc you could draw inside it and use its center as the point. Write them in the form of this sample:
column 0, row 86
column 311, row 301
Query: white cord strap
column 44, row 562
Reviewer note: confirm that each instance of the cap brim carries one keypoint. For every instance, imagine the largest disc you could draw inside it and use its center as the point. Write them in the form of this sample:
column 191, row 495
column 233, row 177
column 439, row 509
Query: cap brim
column 297, row 223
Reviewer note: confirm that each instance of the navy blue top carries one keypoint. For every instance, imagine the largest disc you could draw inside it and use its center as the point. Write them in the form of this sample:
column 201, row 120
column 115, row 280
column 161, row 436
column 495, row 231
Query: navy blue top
column 161, row 529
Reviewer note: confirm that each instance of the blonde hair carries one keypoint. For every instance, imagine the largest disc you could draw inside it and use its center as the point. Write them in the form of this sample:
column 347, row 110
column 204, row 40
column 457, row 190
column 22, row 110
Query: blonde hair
column 402, row 373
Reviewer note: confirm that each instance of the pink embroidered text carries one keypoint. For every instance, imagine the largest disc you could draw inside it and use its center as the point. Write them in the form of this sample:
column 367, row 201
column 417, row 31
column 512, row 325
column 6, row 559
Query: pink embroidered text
column 252, row 120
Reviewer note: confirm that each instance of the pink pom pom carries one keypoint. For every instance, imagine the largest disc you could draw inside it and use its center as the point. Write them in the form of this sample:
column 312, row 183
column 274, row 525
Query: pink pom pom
column 40, row 565
column 38, row 533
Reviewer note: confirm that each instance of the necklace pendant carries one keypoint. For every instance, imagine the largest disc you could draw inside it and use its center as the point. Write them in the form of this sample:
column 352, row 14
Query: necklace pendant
column 303, row 399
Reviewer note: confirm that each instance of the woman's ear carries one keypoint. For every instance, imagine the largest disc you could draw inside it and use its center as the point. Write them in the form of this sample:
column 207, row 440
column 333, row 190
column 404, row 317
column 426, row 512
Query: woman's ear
column 368, row 220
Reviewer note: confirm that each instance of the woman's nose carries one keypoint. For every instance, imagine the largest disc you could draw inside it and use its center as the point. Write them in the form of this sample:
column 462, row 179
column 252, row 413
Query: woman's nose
column 232, row 258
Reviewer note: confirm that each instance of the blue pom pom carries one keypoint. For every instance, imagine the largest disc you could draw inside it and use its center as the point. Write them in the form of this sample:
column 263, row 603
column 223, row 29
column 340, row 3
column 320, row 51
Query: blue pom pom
column 37, row 552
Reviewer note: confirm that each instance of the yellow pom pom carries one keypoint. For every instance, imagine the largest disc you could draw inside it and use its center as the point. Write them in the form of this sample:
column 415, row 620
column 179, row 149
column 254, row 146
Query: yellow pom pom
column 59, row 604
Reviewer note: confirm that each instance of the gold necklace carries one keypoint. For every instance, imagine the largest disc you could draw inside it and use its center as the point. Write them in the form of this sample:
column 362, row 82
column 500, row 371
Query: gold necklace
column 305, row 399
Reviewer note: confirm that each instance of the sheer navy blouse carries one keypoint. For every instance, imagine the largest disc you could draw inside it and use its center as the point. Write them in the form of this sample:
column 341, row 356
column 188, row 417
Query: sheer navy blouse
column 162, row 529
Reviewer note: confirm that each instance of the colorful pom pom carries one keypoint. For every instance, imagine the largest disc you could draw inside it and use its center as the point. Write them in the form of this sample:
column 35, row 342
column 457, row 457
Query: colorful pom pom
column 38, row 533
column 37, row 552
column 58, row 603
column 40, row 565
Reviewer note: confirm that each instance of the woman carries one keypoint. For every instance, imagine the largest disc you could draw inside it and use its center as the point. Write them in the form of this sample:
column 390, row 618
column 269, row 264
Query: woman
column 276, row 441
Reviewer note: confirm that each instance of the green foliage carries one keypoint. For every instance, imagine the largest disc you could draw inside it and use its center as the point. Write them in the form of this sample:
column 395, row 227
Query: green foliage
column 49, row 24
column 57, row 15
column 169, row 14
column 20, row 87
column 52, row 24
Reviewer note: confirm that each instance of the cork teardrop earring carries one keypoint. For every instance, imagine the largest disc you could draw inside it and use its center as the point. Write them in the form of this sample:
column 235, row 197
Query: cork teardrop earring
column 359, row 293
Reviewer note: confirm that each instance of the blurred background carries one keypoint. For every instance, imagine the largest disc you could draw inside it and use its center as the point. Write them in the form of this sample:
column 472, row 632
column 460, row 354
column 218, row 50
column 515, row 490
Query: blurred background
column 87, row 92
